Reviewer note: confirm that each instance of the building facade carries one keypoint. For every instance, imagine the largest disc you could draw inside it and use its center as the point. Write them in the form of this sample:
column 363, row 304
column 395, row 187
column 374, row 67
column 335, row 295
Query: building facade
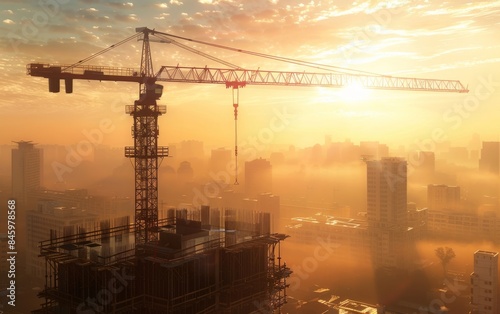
column 443, row 197
column 258, row 177
column 386, row 192
column 26, row 170
column 490, row 157
column 484, row 281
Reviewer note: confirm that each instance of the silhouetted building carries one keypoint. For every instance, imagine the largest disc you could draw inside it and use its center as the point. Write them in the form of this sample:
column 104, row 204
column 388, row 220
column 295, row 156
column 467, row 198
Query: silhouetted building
column 220, row 160
column 185, row 173
column 26, row 170
column 484, row 281
column 392, row 241
column 386, row 188
column 258, row 177
column 26, row 182
column 342, row 152
column 490, row 157
column 277, row 158
column 443, row 197
column 459, row 155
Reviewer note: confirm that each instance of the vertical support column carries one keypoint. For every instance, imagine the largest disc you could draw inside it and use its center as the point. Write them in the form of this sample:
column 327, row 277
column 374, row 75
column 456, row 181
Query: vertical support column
column 145, row 153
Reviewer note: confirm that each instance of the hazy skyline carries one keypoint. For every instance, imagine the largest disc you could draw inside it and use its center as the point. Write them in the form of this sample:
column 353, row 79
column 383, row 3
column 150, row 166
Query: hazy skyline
column 427, row 39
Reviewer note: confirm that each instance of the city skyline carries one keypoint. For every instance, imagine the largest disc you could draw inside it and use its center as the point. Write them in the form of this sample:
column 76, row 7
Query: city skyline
column 389, row 193
column 355, row 232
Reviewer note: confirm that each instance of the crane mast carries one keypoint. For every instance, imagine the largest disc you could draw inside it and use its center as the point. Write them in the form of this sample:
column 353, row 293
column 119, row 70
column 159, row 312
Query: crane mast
column 146, row 151
column 145, row 111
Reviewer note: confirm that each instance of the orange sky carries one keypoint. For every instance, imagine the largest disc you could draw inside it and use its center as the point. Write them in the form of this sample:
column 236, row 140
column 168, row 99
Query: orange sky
column 433, row 39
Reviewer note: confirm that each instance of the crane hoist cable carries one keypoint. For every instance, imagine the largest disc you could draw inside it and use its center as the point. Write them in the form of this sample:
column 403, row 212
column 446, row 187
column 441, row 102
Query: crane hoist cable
column 235, row 86
column 235, row 106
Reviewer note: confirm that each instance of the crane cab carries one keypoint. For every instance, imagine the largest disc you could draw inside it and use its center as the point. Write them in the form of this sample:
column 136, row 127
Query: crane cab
column 158, row 91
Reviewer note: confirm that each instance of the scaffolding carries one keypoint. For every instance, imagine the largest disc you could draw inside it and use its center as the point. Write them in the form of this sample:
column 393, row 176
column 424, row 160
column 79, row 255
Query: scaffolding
column 190, row 269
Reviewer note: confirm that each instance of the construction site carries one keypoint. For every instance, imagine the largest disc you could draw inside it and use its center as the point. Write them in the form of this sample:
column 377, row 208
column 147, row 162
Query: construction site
column 207, row 261
column 228, row 266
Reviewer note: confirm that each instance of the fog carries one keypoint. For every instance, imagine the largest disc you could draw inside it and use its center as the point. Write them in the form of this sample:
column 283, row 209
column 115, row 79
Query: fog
column 318, row 196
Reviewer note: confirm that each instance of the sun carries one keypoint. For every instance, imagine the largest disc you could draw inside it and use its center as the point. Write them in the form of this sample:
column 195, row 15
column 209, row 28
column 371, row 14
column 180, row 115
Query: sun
column 354, row 92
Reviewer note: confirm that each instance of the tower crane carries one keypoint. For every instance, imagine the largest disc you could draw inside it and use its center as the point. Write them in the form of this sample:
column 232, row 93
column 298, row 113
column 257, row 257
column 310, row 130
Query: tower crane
column 145, row 111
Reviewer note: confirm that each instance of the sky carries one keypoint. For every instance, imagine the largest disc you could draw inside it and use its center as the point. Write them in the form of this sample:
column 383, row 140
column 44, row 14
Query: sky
column 456, row 40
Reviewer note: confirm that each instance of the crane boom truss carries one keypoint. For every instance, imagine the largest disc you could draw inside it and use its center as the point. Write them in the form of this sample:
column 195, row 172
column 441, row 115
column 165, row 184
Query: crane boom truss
column 249, row 77
column 290, row 78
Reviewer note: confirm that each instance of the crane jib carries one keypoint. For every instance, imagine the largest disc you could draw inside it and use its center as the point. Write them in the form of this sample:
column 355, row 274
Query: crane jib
column 242, row 76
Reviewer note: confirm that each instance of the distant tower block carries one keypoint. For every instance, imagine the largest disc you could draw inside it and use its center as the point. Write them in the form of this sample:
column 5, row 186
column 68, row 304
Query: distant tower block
column 490, row 157
column 484, row 282
column 220, row 161
column 443, row 197
column 258, row 177
column 26, row 170
column 26, row 180
column 387, row 187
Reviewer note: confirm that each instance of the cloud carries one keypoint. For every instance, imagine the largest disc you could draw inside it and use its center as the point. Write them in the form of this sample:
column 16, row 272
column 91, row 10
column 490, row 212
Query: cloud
column 162, row 16
column 126, row 17
column 176, row 2
column 467, row 10
column 121, row 5
column 162, row 5
column 8, row 11
column 9, row 21
column 91, row 15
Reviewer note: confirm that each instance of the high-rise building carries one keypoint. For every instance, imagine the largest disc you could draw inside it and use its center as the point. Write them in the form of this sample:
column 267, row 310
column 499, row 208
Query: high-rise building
column 258, row 177
column 443, row 197
column 220, row 160
column 392, row 241
column 490, row 157
column 26, row 182
column 185, row 172
column 26, row 170
column 386, row 187
column 484, row 281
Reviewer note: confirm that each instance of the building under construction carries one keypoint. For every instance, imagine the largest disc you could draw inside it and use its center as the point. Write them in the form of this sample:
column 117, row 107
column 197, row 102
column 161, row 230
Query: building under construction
column 223, row 262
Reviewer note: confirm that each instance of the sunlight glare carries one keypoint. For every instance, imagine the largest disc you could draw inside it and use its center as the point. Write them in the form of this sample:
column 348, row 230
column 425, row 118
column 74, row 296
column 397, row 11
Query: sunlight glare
column 354, row 92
